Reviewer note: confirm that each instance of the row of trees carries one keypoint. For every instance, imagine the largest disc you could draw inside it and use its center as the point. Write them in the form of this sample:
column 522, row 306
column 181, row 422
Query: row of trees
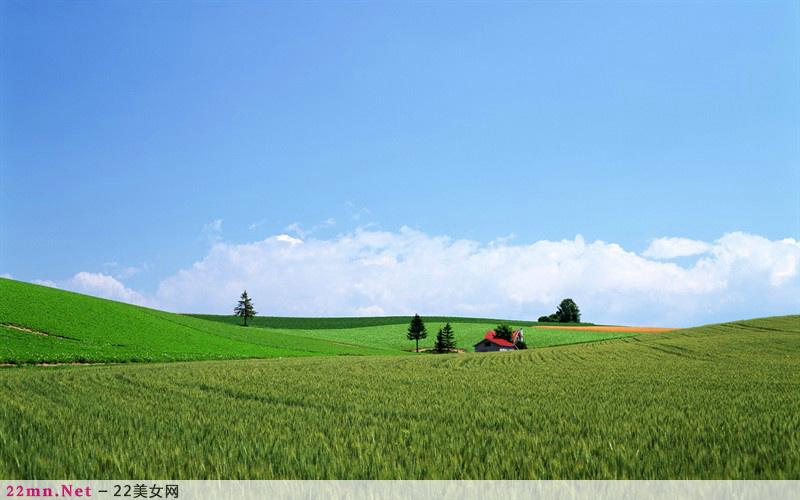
column 568, row 312
column 445, row 338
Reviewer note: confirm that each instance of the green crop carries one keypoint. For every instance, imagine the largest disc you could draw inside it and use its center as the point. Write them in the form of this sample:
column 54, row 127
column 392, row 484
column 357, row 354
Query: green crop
column 80, row 328
column 711, row 402
column 346, row 323
column 467, row 334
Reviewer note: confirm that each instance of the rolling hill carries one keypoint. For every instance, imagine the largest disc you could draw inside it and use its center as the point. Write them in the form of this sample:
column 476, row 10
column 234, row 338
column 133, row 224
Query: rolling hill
column 41, row 325
column 713, row 402
column 78, row 328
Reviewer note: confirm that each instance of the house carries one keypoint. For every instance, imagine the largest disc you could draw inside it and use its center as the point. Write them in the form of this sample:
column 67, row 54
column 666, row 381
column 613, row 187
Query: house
column 490, row 343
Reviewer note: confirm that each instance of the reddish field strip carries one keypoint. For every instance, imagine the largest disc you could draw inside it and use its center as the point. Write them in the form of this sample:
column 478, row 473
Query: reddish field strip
column 607, row 328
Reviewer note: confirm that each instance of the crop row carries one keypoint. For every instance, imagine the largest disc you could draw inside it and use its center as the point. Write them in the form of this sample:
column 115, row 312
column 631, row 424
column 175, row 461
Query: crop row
column 713, row 402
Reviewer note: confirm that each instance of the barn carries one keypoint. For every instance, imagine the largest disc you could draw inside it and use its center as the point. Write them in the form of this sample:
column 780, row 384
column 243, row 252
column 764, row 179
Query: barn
column 490, row 343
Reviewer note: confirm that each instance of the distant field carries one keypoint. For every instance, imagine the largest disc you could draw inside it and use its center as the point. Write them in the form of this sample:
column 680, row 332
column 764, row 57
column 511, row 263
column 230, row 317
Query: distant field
column 630, row 329
column 361, row 322
column 68, row 327
column 715, row 402
column 466, row 335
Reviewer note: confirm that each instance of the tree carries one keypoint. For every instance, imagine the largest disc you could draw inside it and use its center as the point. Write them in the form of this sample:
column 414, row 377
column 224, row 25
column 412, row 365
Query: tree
column 245, row 308
column 504, row 332
column 416, row 330
column 444, row 339
column 568, row 312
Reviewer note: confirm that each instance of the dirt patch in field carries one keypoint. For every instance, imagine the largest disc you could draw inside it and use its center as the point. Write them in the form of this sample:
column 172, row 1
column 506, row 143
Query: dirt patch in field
column 339, row 343
column 15, row 327
column 9, row 325
column 642, row 329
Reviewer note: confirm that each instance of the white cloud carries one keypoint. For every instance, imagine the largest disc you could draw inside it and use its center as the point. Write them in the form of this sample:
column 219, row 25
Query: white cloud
column 379, row 272
column 122, row 273
column 669, row 248
column 7, row 276
column 213, row 231
column 101, row 285
column 51, row 284
column 297, row 229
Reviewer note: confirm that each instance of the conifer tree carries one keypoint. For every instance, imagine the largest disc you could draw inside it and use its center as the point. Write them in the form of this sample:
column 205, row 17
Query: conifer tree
column 416, row 330
column 245, row 308
column 445, row 341
column 439, row 345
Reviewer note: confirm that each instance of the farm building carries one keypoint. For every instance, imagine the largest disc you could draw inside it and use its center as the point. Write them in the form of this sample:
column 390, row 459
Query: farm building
column 490, row 343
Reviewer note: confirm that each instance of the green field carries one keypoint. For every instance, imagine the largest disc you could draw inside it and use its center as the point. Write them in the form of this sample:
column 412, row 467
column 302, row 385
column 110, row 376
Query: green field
column 88, row 329
column 466, row 335
column 346, row 323
column 718, row 401
column 711, row 402
column 80, row 328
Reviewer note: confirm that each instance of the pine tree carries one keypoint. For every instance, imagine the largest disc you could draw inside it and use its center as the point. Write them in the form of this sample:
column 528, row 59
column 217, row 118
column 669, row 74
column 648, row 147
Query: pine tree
column 439, row 346
column 416, row 330
column 245, row 308
column 444, row 339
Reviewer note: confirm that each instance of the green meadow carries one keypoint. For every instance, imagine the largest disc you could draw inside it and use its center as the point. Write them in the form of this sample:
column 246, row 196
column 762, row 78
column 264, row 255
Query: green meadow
column 80, row 328
column 712, row 402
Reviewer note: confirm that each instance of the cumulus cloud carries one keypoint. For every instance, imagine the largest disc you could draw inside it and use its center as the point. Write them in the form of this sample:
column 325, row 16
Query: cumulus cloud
column 372, row 272
column 669, row 248
column 101, row 285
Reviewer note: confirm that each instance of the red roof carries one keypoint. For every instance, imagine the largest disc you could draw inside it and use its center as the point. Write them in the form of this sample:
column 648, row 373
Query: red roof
column 490, row 338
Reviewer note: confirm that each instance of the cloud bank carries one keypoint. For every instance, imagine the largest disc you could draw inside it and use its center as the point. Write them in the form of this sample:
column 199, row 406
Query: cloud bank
column 370, row 272
column 669, row 248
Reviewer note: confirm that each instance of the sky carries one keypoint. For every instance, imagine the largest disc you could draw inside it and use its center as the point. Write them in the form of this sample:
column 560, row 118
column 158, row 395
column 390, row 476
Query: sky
column 346, row 158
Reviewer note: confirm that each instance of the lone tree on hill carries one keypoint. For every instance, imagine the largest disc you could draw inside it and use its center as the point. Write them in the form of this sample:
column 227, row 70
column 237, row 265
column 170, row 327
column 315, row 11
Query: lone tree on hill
column 245, row 308
column 568, row 312
column 504, row 332
column 444, row 339
column 416, row 330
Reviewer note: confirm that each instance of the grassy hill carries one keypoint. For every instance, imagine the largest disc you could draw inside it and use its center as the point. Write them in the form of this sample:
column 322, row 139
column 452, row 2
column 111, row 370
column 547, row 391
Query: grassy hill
column 715, row 402
column 78, row 328
column 88, row 329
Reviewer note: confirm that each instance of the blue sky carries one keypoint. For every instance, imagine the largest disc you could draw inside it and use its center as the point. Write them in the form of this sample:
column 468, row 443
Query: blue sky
column 137, row 135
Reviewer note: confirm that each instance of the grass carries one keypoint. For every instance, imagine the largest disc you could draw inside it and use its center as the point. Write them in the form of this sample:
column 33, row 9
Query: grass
column 718, row 402
column 361, row 322
column 83, row 328
column 80, row 328
column 467, row 334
